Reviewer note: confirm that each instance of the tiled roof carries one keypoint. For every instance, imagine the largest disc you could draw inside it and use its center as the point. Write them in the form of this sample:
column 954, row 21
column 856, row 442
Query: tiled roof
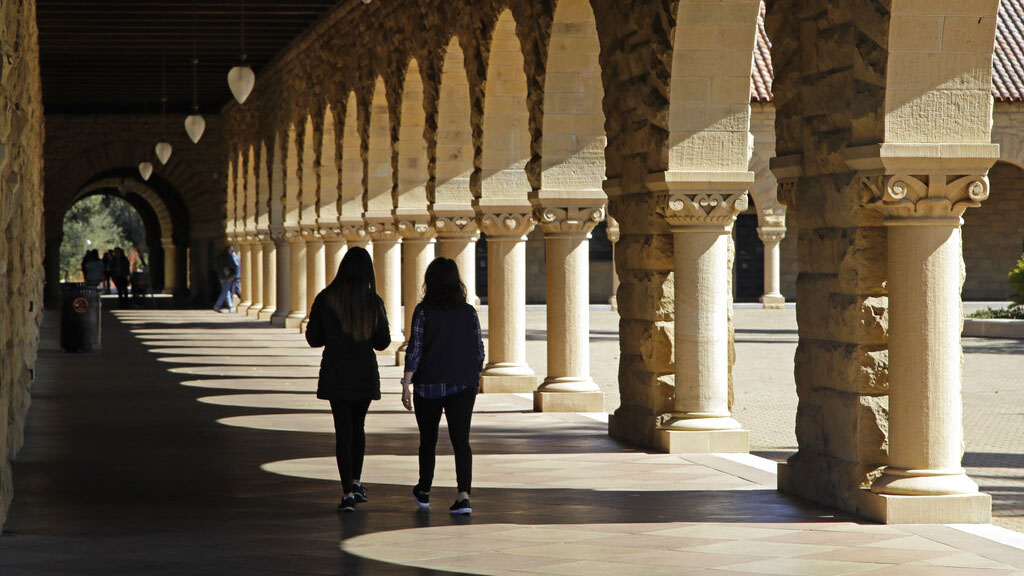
column 1007, row 63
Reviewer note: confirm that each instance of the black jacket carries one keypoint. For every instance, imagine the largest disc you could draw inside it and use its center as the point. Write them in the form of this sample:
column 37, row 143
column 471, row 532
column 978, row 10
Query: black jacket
column 348, row 369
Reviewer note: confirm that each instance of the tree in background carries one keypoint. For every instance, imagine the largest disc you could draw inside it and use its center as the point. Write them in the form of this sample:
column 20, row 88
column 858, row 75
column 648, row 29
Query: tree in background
column 1017, row 284
column 100, row 223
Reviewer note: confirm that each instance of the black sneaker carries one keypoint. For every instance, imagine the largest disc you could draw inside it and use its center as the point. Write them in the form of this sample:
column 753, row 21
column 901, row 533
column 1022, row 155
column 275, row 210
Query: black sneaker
column 359, row 492
column 461, row 507
column 422, row 498
column 348, row 504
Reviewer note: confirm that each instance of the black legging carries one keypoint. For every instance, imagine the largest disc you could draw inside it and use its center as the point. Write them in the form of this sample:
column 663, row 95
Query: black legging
column 458, row 410
column 350, row 437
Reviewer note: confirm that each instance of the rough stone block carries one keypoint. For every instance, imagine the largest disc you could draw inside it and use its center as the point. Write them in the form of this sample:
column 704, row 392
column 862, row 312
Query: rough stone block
column 705, row 442
column 948, row 509
column 568, row 401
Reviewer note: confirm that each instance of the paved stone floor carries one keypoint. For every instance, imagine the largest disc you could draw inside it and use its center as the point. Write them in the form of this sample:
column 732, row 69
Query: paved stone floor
column 192, row 444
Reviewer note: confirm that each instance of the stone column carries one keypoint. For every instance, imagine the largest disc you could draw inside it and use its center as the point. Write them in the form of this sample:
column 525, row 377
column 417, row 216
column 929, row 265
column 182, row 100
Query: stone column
column 334, row 251
column 269, row 278
column 256, row 278
column 315, row 270
column 245, row 255
column 568, row 386
column 922, row 201
column 771, row 236
column 282, row 249
column 613, row 237
column 506, row 369
column 456, row 239
column 701, row 224
column 417, row 253
column 387, row 267
column 170, row 265
column 297, row 279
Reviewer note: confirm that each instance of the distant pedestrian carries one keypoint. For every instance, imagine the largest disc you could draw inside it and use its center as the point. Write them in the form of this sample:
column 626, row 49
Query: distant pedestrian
column 227, row 272
column 93, row 269
column 349, row 320
column 442, row 365
column 119, row 270
column 108, row 257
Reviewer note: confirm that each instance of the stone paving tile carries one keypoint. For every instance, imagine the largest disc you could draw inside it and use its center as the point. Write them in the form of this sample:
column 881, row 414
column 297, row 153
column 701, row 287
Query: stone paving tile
column 185, row 479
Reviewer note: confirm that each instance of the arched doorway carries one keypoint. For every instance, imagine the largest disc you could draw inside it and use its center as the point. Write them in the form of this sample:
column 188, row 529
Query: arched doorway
column 993, row 235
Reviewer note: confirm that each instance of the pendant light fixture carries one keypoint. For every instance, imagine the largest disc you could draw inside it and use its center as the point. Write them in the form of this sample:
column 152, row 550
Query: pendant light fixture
column 195, row 124
column 241, row 78
column 163, row 148
column 145, row 170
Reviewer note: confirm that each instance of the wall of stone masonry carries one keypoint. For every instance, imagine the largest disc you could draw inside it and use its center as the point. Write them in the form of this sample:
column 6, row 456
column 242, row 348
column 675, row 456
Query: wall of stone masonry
column 994, row 235
column 81, row 149
column 830, row 61
column 21, row 206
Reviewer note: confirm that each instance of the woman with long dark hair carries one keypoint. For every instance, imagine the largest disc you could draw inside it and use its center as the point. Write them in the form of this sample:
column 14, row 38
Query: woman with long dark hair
column 442, row 365
column 348, row 319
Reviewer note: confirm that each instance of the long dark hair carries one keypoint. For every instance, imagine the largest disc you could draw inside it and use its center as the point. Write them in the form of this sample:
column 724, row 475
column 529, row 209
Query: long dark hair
column 442, row 285
column 352, row 296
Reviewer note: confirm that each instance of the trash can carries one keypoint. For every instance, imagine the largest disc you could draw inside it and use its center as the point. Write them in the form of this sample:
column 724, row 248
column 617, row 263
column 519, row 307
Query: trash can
column 79, row 318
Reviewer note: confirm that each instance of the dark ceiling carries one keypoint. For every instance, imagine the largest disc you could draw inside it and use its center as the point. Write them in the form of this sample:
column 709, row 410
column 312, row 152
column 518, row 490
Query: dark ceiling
column 104, row 56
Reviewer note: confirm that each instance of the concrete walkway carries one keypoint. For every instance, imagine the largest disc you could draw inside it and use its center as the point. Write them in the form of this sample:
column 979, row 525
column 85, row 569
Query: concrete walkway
column 192, row 444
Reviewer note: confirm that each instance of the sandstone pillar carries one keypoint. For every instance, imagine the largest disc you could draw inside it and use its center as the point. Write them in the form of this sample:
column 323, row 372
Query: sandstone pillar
column 568, row 386
column 297, row 279
column 334, row 251
column 283, row 253
column 269, row 278
column 387, row 267
column 256, row 278
column 170, row 265
column 417, row 254
column 922, row 201
column 456, row 239
column 315, row 270
column 701, row 214
column 506, row 369
column 771, row 237
column 613, row 237
column 245, row 255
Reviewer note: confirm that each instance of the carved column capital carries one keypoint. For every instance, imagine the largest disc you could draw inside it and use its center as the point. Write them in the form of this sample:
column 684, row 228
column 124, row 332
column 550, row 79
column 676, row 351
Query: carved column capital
column 355, row 233
column 771, row 234
column 506, row 224
column 311, row 233
column 924, row 197
column 414, row 228
column 331, row 233
column 278, row 236
column 613, row 230
column 711, row 209
column 456, row 225
column 293, row 235
column 382, row 230
column 555, row 219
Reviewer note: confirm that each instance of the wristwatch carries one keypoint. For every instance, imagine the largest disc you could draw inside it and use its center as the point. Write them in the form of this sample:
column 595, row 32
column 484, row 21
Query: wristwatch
column 406, row 380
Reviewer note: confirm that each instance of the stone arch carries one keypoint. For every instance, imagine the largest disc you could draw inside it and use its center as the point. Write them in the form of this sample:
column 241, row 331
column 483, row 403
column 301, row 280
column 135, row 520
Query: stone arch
column 379, row 182
column 329, row 176
column 506, row 120
column 250, row 191
column 278, row 192
column 352, row 165
column 126, row 186
column 308, row 174
column 411, row 189
column 709, row 111
column 263, row 197
column 1011, row 143
column 454, row 131
column 573, row 128
column 993, row 235
column 292, row 184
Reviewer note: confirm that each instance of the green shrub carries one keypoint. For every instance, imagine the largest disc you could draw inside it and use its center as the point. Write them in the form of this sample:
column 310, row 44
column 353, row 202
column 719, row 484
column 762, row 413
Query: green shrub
column 1017, row 284
column 1014, row 313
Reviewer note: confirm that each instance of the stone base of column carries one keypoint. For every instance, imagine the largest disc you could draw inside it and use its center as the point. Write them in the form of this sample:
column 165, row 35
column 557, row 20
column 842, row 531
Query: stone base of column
column 253, row 311
column 400, row 354
column 499, row 380
column 267, row 313
column 614, row 302
column 568, row 401
column 773, row 301
column 303, row 324
column 702, row 441
column 948, row 509
column 242, row 308
column 294, row 321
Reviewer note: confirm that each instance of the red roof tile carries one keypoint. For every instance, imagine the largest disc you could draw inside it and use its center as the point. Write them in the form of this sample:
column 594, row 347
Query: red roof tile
column 1007, row 62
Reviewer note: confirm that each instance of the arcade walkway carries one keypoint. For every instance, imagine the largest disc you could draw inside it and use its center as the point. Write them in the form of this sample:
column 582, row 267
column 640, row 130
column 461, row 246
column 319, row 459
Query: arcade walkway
column 192, row 444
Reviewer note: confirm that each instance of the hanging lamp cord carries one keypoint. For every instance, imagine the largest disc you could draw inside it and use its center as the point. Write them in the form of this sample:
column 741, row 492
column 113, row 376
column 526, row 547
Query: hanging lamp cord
column 244, row 55
column 195, row 62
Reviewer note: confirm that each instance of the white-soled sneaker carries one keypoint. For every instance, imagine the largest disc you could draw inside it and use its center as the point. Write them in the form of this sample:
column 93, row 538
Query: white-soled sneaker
column 461, row 507
column 422, row 498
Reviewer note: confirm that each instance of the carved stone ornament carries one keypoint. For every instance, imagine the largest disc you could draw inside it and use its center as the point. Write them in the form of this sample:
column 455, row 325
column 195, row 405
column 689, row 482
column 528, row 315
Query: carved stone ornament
column 278, row 236
column 569, row 219
column 415, row 229
column 507, row 224
column 932, row 196
column 311, row 234
column 703, row 209
column 771, row 235
column 613, row 230
column 382, row 230
column 293, row 234
column 460, row 226
column 355, row 233
column 331, row 233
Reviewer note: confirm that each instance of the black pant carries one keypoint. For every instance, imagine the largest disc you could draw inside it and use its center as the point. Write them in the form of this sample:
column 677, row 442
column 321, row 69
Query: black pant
column 350, row 437
column 458, row 410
